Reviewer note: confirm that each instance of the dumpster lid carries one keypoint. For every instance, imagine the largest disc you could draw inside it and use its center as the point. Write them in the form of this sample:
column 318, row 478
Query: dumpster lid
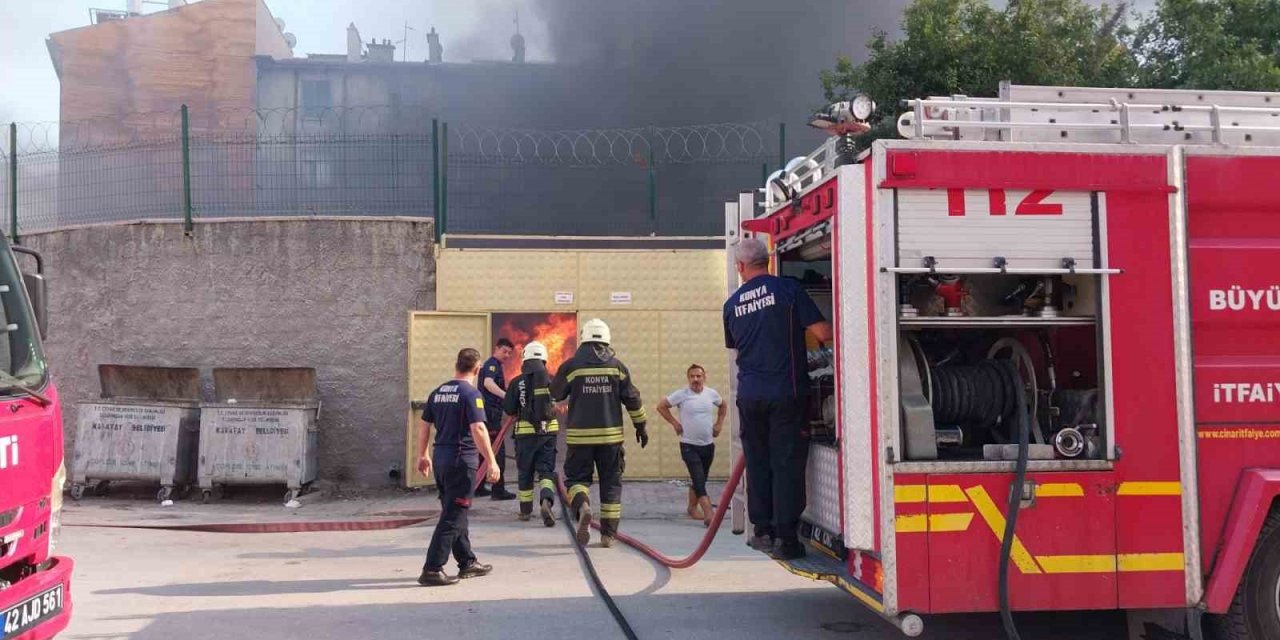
column 266, row 384
column 149, row 383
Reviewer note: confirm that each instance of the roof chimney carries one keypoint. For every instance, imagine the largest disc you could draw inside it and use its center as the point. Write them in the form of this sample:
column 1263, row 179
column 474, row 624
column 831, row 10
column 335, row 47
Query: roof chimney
column 381, row 51
column 354, row 43
column 135, row 7
column 436, row 51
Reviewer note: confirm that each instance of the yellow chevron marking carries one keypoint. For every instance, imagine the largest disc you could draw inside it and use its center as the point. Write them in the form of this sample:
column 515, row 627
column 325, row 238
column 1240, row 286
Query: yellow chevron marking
column 1060, row 490
column 912, row 524
column 1150, row 489
column 1077, row 564
column 995, row 520
column 1125, row 563
column 937, row 522
column 909, row 493
column 944, row 522
column 1139, row 562
column 946, row 493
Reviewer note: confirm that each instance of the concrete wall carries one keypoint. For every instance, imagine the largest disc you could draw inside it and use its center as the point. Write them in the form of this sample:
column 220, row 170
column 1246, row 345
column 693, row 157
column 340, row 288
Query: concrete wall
column 333, row 294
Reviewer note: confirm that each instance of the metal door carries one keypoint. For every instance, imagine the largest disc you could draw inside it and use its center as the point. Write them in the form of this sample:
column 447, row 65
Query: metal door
column 435, row 338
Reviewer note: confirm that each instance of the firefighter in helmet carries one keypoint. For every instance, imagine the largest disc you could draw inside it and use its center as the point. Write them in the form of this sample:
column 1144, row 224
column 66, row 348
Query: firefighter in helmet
column 528, row 402
column 598, row 386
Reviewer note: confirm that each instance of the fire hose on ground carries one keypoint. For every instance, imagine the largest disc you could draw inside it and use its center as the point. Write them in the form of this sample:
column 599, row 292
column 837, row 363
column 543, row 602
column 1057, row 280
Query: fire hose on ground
column 722, row 507
column 682, row 563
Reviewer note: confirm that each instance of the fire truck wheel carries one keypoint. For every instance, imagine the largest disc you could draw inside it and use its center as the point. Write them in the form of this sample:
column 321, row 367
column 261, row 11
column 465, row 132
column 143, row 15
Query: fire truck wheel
column 1255, row 611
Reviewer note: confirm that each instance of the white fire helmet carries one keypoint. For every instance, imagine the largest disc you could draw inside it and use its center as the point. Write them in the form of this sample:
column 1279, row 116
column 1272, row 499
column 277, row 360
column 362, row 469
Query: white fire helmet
column 594, row 330
column 535, row 351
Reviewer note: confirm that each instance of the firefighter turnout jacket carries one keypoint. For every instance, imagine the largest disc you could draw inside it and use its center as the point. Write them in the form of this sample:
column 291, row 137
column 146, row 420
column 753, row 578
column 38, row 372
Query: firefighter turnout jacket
column 598, row 386
column 529, row 400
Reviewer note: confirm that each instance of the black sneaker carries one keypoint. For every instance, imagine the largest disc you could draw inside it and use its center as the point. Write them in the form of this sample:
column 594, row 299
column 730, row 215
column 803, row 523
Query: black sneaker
column 436, row 579
column 761, row 542
column 788, row 550
column 548, row 518
column 474, row 570
column 502, row 495
column 482, row 492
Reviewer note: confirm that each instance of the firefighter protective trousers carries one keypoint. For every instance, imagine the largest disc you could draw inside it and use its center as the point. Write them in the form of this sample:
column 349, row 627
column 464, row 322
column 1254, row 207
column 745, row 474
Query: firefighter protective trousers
column 606, row 460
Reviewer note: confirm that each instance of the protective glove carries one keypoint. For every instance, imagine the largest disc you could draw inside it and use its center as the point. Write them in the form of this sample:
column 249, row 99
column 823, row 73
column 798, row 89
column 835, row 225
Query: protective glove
column 642, row 435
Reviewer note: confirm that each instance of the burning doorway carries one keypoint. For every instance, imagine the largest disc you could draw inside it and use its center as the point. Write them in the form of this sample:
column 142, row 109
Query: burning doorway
column 557, row 331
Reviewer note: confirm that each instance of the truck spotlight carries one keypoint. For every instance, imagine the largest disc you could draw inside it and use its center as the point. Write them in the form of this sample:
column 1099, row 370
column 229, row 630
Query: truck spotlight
column 847, row 116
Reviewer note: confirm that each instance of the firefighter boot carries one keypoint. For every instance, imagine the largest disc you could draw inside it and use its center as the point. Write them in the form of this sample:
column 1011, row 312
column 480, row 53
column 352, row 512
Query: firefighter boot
column 548, row 517
column 526, row 505
column 547, row 500
column 582, row 507
column 608, row 531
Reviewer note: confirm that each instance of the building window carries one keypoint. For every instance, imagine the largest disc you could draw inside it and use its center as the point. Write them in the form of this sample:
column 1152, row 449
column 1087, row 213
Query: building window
column 316, row 97
column 316, row 174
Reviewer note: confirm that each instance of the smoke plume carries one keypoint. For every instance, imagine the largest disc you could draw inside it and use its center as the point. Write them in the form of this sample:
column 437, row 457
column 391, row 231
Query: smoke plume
column 680, row 61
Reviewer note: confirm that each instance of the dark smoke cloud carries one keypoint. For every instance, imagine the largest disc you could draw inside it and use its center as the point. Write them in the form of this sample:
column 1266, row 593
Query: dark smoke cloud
column 680, row 61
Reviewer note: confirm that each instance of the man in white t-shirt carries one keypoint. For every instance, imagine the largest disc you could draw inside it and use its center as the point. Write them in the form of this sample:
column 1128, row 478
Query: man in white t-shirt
column 702, row 414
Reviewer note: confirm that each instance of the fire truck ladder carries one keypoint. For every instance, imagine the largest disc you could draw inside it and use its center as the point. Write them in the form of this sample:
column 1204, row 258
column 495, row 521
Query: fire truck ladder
column 1076, row 114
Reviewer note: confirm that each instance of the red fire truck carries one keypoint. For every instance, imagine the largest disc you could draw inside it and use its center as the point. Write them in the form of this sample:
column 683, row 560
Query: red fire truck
column 1056, row 376
column 34, row 584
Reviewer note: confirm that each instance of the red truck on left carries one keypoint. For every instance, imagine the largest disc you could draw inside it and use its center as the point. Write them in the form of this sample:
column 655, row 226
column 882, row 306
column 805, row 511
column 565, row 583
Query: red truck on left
column 35, row 584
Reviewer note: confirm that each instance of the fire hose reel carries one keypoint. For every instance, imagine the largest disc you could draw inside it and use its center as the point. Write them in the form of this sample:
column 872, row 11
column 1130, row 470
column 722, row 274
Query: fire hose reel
column 971, row 407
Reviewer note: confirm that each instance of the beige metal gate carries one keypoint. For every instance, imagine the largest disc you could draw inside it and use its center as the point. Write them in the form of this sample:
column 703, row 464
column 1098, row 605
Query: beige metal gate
column 663, row 307
column 434, row 341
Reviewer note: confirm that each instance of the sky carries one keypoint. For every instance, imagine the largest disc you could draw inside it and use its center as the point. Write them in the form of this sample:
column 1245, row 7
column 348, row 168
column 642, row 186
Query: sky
column 470, row 29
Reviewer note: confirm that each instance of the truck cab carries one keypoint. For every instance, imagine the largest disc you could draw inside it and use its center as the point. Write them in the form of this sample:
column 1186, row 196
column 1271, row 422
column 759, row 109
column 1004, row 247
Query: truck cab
column 34, row 583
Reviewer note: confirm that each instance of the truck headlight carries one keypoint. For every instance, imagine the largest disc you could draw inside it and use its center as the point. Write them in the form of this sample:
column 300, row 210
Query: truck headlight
column 55, row 505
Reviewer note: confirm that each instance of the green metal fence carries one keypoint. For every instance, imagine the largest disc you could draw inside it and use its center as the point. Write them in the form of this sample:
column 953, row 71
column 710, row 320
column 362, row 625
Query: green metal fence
column 378, row 161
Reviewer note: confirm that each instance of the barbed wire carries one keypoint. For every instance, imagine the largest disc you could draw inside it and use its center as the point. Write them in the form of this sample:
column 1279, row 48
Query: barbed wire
column 601, row 147
column 718, row 142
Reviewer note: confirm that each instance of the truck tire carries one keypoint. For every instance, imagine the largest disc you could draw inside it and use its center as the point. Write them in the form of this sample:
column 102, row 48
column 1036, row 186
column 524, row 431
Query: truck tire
column 1255, row 611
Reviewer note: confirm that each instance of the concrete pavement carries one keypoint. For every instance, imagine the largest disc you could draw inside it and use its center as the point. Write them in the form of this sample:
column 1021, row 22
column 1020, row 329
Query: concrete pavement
column 149, row 584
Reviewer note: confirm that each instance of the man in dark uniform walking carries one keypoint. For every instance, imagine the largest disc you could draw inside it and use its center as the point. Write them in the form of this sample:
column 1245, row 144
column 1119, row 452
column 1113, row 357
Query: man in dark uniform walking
column 456, row 410
column 598, row 386
column 765, row 321
column 529, row 404
column 493, row 388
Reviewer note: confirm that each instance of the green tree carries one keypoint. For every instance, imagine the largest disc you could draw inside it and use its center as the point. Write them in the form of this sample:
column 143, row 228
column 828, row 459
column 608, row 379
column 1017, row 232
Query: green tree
column 967, row 47
column 1210, row 44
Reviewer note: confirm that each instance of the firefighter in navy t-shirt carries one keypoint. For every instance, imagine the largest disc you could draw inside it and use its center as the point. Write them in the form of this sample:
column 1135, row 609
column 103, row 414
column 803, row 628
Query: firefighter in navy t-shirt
column 456, row 410
column 766, row 320
column 493, row 388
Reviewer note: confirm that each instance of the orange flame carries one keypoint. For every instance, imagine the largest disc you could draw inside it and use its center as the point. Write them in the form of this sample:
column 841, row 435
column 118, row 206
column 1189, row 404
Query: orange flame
column 557, row 331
